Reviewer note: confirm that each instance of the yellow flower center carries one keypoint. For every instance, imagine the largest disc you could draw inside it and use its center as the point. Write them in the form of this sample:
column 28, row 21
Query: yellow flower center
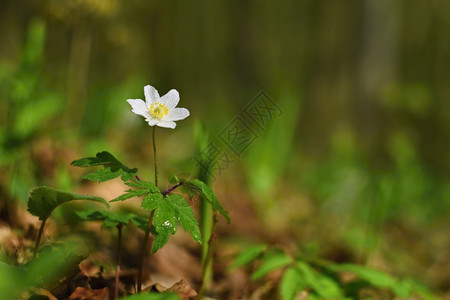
column 158, row 110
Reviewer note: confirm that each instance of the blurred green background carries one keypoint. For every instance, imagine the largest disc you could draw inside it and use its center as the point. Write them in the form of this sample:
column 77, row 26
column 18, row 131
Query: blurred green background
column 357, row 161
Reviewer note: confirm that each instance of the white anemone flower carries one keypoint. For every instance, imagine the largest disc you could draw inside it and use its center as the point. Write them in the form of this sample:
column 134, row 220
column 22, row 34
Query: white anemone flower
column 160, row 111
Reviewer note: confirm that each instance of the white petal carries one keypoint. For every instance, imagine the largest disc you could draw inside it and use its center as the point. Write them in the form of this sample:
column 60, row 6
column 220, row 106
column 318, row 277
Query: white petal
column 170, row 99
column 176, row 114
column 151, row 94
column 167, row 124
column 138, row 107
column 152, row 121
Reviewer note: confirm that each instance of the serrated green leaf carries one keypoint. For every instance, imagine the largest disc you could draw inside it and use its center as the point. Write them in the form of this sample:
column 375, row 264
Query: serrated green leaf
column 109, row 173
column 43, row 200
column 131, row 193
column 103, row 175
column 164, row 218
column 270, row 262
column 113, row 168
column 109, row 218
column 290, row 283
column 122, row 197
column 153, row 296
column 101, row 159
column 198, row 187
column 185, row 216
column 248, row 255
column 143, row 185
column 169, row 211
column 152, row 201
column 323, row 285
column 161, row 238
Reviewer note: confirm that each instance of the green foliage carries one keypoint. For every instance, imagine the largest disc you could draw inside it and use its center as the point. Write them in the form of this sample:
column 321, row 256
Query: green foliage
column 205, row 162
column 271, row 261
column 109, row 218
column 141, row 184
column 68, row 254
column 130, row 194
column 29, row 107
column 113, row 168
column 43, row 200
column 401, row 288
column 32, row 114
column 185, row 216
column 276, row 141
column 323, row 285
column 153, row 296
column 291, row 283
column 169, row 211
column 375, row 277
column 35, row 43
column 173, row 179
column 161, row 238
column 248, row 255
column 322, row 278
column 26, row 106
column 44, row 271
column 152, row 201
column 144, row 188
column 164, row 218
column 198, row 187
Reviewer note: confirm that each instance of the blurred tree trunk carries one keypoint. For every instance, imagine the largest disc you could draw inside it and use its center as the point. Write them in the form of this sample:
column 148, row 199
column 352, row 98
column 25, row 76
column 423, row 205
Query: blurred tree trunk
column 378, row 65
column 78, row 71
column 377, row 69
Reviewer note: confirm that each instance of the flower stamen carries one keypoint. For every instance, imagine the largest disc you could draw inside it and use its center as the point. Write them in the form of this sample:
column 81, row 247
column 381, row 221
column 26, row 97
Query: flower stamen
column 158, row 110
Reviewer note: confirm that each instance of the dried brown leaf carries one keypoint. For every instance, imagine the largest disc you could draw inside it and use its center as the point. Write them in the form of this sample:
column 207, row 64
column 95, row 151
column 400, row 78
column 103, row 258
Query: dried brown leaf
column 183, row 290
column 82, row 293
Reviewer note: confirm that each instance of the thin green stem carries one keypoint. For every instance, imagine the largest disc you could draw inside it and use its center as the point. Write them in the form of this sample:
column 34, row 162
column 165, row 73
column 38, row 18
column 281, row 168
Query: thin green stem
column 206, row 221
column 206, row 226
column 144, row 251
column 38, row 240
column 208, row 259
column 119, row 250
column 150, row 219
column 155, row 160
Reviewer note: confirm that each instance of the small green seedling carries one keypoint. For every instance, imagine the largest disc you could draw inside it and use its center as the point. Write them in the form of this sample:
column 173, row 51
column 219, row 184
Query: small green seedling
column 167, row 209
column 321, row 279
column 43, row 200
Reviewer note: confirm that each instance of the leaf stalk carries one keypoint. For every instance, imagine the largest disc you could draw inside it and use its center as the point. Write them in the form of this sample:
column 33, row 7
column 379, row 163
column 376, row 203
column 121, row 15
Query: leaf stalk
column 206, row 267
column 119, row 250
column 38, row 239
